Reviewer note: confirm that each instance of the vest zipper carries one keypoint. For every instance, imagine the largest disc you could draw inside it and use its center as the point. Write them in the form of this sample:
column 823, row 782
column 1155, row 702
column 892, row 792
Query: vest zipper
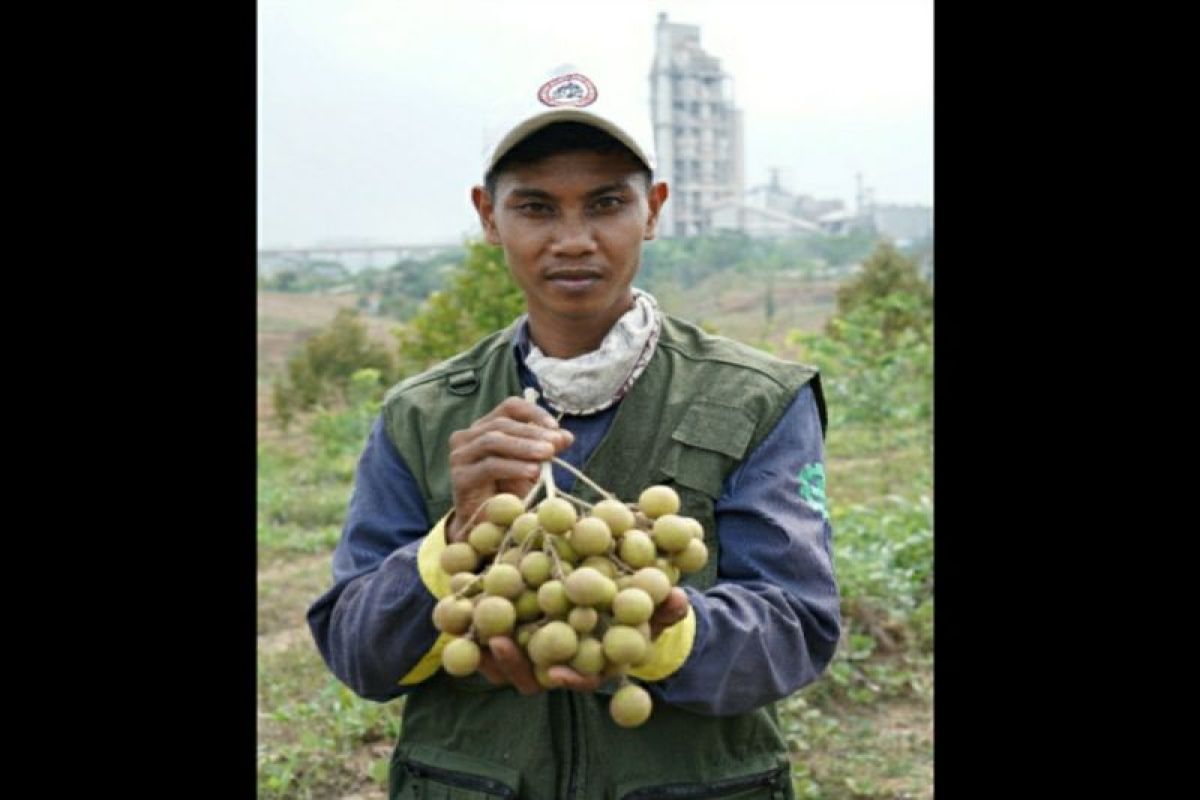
column 677, row 791
column 460, row 779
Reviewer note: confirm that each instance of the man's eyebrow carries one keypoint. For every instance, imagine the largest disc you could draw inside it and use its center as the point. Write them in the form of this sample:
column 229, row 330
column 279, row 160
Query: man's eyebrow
column 617, row 186
column 540, row 194
column 531, row 193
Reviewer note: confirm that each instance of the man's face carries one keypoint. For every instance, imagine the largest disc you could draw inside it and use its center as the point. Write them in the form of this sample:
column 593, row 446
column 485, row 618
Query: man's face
column 572, row 227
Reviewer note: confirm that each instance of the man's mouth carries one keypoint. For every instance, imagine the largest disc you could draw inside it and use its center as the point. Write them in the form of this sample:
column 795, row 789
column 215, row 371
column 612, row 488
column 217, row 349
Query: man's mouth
column 574, row 278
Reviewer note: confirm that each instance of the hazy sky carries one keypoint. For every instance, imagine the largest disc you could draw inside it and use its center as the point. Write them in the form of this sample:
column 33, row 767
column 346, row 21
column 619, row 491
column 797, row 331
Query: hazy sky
column 371, row 113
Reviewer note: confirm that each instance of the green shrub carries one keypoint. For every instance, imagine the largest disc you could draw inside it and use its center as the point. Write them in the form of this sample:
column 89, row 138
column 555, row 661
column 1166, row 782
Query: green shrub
column 479, row 298
column 891, row 292
column 321, row 373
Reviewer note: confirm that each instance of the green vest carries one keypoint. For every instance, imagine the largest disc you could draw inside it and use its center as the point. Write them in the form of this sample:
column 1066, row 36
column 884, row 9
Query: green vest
column 702, row 404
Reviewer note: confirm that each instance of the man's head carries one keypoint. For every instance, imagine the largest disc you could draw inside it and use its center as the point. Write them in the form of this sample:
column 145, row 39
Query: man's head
column 570, row 197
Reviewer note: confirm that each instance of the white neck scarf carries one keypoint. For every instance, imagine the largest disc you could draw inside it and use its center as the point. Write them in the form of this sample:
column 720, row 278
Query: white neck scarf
column 594, row 381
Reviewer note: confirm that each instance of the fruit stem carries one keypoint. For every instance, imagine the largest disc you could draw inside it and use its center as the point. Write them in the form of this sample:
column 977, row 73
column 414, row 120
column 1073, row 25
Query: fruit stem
column 547, row 479
column 549, row 549
column 583, row 478
column 463, row 592
column 504, row 544
column 528, row 499
column 466, row 526
column 581, row 503
column 617, row 560
column 527, row 545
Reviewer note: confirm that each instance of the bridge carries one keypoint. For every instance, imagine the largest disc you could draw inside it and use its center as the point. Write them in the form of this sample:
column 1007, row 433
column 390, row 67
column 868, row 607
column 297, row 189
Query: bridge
column 352, row 257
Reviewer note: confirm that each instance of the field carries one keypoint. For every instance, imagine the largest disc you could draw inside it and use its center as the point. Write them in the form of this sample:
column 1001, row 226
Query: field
column 285, row 321
column 862, row 731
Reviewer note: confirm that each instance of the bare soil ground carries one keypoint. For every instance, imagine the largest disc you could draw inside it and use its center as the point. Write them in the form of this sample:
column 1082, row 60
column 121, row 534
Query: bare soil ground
column 878, row 751
column 736, row 307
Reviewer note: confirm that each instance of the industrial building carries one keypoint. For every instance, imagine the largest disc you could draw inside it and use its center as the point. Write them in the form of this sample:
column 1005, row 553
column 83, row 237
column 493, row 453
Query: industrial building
column 698, row 138
column 697, row 129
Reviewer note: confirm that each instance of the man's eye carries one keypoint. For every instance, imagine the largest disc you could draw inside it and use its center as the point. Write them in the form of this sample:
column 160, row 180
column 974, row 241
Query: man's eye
column 534, row 208
column 610, row 202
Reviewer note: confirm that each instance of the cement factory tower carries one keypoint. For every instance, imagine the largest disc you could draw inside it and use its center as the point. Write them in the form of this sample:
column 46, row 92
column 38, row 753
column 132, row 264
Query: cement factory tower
column 697, row 130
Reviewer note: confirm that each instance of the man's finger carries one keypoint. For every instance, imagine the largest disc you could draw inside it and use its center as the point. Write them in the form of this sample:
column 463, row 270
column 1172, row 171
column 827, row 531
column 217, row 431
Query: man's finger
column 491, row 469
column 673, row 609
column 521, row 409
column 490, row 670
column 514, row 664
column 504, row 444
column 504, row 426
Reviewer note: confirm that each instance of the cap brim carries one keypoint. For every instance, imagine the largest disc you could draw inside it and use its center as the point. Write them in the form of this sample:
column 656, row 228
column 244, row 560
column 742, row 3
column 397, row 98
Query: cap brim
column 553, row 115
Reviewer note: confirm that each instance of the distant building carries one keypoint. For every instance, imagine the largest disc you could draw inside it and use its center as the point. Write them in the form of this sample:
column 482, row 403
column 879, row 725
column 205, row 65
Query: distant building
column 771, row 210
column 839, row 222
column 766, row 210
column 756, row 221
column 697, row 129
column 698, row 139
column 903, row 224
column 813, row 209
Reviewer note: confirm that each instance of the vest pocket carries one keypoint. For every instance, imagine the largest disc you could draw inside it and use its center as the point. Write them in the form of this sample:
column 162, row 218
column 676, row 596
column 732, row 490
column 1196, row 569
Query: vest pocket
column 773, row 784
column 706, row 445
column 428, row 773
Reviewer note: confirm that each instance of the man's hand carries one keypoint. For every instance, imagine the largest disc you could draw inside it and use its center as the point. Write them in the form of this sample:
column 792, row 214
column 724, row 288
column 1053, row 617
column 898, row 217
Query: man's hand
column 502, row 662
column 501, row 452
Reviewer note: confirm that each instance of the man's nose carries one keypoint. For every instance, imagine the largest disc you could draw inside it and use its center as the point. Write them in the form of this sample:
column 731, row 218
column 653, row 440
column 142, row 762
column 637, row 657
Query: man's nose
column 573, row 236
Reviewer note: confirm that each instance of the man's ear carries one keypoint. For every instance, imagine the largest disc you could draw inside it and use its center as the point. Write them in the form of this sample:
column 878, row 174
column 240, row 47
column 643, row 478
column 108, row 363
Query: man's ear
column 655, row 197
column 487, row 213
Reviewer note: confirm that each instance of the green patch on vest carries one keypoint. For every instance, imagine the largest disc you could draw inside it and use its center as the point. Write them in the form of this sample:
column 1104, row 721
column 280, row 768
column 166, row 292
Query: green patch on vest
column 812, row 488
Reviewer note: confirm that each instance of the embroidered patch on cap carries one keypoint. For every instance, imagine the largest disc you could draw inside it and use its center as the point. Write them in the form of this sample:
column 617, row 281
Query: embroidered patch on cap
column 568, row 90
column 812, row 487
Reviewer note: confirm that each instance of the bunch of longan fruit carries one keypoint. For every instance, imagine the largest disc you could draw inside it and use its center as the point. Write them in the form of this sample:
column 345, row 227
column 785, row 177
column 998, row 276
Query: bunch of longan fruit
column 568, row 589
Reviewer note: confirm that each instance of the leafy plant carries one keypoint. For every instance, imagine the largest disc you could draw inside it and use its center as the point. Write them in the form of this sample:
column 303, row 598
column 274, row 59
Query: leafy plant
column 321, row 373
column 890, row 291
column 479, row 298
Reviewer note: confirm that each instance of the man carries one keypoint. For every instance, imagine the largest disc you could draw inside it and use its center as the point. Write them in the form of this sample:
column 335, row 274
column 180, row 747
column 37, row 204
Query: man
column 644, row 398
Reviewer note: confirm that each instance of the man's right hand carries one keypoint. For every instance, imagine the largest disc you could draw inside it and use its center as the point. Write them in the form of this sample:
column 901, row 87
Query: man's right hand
column 503, row 663
column 501, row 452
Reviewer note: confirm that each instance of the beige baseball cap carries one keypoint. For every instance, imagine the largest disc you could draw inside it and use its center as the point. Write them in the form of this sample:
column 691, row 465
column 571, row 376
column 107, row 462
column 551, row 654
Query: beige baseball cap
column 570, row 94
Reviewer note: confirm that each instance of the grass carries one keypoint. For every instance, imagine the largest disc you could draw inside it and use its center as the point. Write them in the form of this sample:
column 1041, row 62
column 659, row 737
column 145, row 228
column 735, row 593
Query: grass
column 286, row 590
column 849, row 752
column 858, row 471
column 301, row 501
column 316, row 739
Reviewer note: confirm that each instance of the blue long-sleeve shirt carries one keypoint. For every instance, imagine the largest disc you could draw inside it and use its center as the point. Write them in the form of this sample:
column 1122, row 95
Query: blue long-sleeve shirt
column 769, row 625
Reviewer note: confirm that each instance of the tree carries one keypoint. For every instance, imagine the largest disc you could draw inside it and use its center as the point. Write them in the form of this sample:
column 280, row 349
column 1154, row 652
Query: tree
column 479, row 298
column 891, row 286
column 321, row 373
